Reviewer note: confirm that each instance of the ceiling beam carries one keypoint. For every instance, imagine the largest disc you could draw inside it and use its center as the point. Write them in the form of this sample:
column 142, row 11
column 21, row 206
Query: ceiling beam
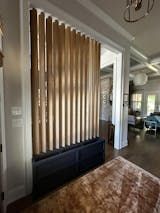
column 143, row 60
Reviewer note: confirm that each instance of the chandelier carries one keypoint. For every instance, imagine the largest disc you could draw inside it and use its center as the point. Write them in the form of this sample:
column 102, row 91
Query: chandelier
column 137, row 9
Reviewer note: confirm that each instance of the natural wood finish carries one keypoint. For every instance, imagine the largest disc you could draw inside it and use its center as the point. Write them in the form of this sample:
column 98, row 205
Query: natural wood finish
column 78, row 85
column 83, row 62
column 56, row 71
column 62, row 84
column 90, row 89
column 34, row 82
column 98, row 86
column 65, row 84
column 42, row 82
column 94, row 87
column 87, row 107
column 68, row 84
column 74, row 87
column 50, row 82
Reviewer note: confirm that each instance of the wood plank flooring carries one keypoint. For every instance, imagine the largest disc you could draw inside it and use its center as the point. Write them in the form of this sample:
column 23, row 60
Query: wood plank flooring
column 143, row 149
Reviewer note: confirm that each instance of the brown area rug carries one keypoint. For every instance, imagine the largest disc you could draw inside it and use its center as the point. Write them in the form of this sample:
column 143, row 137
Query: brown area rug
column 118, row 186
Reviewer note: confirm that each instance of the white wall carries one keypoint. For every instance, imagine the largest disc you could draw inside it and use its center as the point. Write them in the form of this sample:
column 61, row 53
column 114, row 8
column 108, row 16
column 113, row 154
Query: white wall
column 10, row 12
column 152, row 87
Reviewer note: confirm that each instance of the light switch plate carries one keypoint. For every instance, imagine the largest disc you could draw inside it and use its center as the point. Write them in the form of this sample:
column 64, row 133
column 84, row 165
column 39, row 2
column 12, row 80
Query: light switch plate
column 16, row 111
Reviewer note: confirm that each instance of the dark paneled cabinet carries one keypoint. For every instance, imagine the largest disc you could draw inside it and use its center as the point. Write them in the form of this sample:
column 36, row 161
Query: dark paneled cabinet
column 54, row 171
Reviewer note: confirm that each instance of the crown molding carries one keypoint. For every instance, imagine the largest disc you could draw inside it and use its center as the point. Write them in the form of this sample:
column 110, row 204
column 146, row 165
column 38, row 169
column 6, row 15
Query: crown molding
column 106, row 19
column 62, row 15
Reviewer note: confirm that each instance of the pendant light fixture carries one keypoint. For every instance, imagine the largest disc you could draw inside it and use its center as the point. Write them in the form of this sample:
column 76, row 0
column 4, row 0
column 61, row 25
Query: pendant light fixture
column 137, row 9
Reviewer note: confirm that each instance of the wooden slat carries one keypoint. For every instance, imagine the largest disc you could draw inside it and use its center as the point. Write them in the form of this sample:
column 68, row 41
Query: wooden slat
column 87, row 109
column 78, row 85
column 68, row 84
column 73, row 56
column 42, row 81
column 94, row 87
column 83, row 82
column 98, row 87
column 90, row 89
column 75, row 73
column 62, row 84
column 50, row 82
column 56, row 80
column 71, row 87
column 34, row 83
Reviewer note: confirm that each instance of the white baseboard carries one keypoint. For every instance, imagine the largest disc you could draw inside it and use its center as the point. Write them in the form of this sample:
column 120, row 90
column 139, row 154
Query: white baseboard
column 15, row 194
column 124, row 144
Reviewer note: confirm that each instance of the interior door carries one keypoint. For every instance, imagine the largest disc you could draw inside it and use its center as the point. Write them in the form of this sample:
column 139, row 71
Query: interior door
column 151, row 103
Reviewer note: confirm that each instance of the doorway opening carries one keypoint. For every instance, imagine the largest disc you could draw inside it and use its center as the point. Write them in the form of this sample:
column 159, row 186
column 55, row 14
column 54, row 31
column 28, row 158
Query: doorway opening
column 111, row 98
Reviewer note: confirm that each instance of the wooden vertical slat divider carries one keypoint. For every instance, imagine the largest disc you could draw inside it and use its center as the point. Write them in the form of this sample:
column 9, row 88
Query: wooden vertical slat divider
column 50, row 81
column 56, row 76
column 62, row 85
column 74, row 37
column 87, row 90
column 68, row 84
column 42, row 81
column 71, row 91
column 34, row 84
column 78, row 92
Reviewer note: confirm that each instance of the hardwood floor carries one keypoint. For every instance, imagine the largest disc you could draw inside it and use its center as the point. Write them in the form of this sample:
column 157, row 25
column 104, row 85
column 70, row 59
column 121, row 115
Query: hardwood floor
column 143, row 149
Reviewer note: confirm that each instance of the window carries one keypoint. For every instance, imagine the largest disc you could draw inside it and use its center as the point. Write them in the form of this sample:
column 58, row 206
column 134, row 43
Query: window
column 136, row 102
column 151, row 102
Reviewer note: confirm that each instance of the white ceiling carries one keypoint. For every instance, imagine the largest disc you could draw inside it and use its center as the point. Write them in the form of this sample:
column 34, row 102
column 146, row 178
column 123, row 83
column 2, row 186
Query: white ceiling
column 146, row 31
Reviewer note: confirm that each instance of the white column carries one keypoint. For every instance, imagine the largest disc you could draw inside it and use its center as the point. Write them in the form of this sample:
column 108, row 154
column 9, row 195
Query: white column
column 126, row 62
column 117, row 100
column 120, row 87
